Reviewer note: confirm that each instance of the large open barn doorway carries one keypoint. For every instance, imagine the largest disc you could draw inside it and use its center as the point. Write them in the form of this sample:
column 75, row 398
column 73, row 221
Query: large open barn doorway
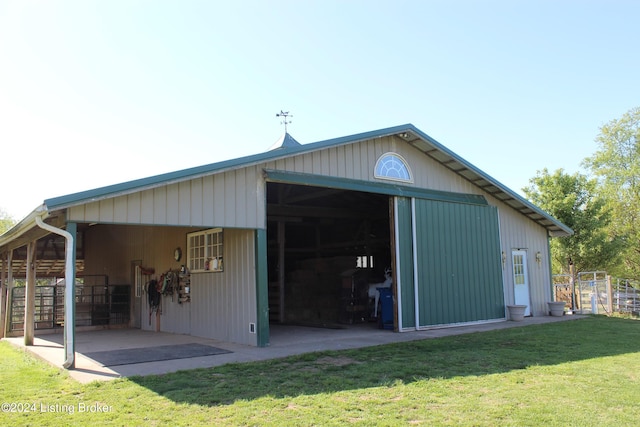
column 326, row 247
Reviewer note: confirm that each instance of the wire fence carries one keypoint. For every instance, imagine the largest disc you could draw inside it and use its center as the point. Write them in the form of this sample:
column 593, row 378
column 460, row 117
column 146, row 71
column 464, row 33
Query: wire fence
column 595, row 292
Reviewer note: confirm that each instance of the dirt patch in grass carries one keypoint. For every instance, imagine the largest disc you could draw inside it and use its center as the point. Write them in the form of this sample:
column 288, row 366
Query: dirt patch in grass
column 336, row 361
column 323, row 363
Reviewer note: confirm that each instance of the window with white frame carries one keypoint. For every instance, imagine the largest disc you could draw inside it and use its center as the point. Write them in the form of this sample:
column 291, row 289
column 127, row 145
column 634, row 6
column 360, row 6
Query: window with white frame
column 394, row 167
column 205, row 250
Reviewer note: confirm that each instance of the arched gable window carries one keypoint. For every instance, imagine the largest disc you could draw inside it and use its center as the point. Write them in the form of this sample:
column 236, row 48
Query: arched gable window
column 393, row 167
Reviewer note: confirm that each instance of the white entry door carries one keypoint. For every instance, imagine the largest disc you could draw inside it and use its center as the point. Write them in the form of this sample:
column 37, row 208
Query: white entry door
column 521, row 280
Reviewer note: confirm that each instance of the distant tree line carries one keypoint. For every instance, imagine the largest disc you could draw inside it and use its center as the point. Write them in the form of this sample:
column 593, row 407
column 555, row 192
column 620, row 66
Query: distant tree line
column 602, row 205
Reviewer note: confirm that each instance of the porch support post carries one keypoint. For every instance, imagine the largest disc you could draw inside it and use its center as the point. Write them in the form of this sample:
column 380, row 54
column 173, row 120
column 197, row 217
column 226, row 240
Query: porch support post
column 262, row 288
column 30, row 295
column 3, row 294
column 9, row 287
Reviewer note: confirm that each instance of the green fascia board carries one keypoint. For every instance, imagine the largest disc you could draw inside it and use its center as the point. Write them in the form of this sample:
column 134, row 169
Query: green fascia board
column 371, row 187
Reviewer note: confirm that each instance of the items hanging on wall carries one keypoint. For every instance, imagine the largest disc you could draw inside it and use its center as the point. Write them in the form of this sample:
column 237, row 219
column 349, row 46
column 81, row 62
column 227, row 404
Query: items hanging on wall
column 184, row 285
column 173, row 283
column 154, row 297
column 169, row 282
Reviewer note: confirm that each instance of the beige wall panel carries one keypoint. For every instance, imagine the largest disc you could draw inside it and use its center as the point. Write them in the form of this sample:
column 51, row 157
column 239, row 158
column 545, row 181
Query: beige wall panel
column 92, row 210
column 197, row 212
column 76, row 213
column 109, row 249
column 299, row 164
column 307, row 163
column 241, row 192
column 188, row 200
column 218, row 197
column 106, row 210
column 224, row 304
column 134, row 207
column 227, row 199
column 518, row 232
column 173, row 206
column 160, row 205
column 357, row 161
column 207, row 198
column 365, row 171
column 354, row 168
column 146, row 207
column 120, row 209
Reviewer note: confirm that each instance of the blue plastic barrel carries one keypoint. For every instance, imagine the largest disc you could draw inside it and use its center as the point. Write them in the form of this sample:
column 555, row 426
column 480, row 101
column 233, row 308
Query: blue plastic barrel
column 386, row 308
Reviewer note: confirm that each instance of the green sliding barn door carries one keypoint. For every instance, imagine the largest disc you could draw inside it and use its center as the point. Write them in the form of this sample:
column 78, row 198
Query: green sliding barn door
column 458, row 263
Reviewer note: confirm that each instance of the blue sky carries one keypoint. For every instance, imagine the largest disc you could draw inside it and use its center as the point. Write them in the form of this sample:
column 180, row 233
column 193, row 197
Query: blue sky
column 94, row 93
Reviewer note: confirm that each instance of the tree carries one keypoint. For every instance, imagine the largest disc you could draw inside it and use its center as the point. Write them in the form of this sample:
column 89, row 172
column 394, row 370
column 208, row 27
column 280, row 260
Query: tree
column 616, row 165
column 572, row 199
column 6, row 221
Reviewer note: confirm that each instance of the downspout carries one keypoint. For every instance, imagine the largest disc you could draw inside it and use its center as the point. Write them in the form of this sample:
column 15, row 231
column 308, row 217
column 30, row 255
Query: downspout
column 69, row 292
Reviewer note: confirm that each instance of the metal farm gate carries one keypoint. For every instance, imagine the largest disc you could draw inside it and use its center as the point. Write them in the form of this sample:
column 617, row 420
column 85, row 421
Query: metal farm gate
column 596, row 293
column 97, row 303
column 591, row 292
column 626, row 296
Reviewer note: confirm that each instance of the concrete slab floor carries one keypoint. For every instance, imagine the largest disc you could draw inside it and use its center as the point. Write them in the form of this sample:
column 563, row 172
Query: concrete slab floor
column 285, row 341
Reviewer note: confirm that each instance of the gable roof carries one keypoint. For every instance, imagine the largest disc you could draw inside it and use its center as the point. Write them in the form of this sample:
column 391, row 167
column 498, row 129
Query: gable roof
column 288, row 146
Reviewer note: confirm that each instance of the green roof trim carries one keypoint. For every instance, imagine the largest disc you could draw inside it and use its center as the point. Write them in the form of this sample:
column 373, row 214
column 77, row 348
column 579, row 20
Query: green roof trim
column 372, row 187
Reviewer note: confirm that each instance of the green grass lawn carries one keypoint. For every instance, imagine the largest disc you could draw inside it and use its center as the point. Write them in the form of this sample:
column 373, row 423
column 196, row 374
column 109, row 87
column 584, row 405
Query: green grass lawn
column 583, row 372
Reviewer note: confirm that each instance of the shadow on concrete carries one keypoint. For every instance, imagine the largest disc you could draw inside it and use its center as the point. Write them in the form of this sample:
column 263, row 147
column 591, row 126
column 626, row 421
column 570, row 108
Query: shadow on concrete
column 473, row 354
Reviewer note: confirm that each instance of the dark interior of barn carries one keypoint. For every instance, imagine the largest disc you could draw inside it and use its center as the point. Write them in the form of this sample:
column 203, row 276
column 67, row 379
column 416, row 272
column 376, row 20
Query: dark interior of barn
column 326, row 248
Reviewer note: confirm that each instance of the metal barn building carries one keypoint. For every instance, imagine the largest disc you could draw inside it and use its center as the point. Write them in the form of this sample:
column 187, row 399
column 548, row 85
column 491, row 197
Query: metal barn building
column 297, row 234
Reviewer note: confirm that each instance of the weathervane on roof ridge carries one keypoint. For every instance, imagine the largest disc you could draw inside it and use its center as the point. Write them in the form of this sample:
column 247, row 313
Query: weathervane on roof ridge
column 284, row 114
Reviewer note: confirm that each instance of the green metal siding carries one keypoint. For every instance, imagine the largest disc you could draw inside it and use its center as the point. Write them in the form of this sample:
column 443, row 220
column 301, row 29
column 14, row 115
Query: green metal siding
column 459, row 274
column 404, row 264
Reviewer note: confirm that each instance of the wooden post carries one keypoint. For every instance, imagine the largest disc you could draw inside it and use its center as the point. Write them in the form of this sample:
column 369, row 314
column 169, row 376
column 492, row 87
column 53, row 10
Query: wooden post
column 30, row 295
column 573, row 287
column 3, row 296
column 9, row 287
column 609, row 295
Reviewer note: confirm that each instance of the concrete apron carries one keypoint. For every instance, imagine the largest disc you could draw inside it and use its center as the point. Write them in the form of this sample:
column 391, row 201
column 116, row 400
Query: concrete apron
column 285, row 341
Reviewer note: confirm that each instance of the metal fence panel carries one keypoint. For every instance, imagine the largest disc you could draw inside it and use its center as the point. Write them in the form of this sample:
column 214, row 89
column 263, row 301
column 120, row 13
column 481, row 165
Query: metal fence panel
column 97, row 303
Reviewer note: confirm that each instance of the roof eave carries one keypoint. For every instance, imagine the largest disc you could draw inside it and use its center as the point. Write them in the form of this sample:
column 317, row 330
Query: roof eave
column 25, row 225
column 475, row 175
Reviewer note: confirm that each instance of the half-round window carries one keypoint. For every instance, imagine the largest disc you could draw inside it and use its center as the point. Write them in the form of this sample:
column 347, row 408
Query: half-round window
column 392, row 166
